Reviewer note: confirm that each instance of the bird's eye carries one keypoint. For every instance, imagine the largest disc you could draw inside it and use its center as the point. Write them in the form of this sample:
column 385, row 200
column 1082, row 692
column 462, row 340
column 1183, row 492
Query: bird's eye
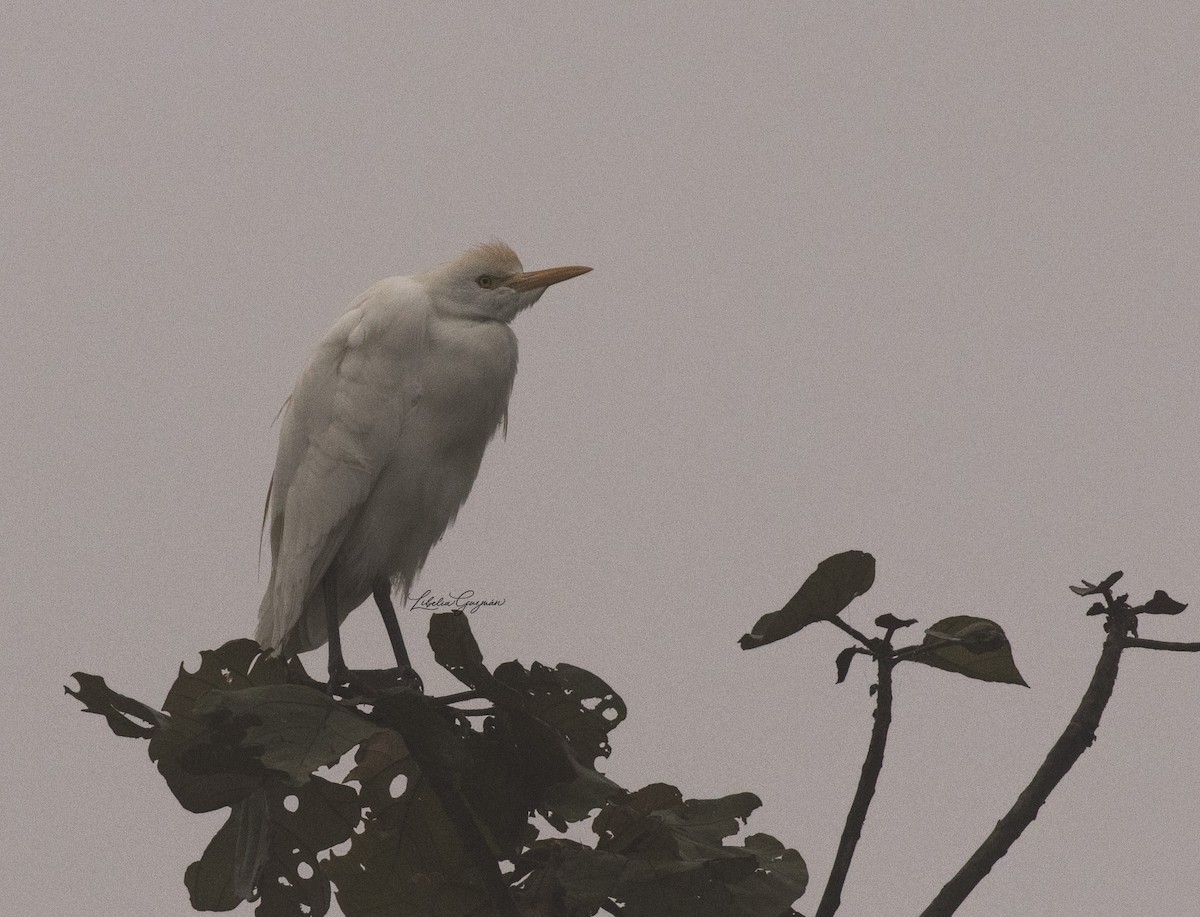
column 485, row 281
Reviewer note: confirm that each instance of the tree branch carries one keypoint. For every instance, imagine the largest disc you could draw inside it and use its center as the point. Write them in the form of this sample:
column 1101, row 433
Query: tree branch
column 872, row 765
column 1163, row 645
column 1075, row 740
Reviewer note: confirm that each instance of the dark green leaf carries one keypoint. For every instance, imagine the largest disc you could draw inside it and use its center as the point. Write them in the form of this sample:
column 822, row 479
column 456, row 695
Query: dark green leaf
column 1098, row 588
column 889, row 621
column 126, row 717
column 979, row 649
column 661, row 856
column 409, row 859
column 781, row 878
column 1161, row 604
column 565, row 803
column 207, row 764
column 575, row 703
column 844, row 658
column 295, row 729
column 234, row 742
column 836, row 582
column 455, row 649
column 209, row 880
column 235, row 665
column 300, row 823
column 325, row 815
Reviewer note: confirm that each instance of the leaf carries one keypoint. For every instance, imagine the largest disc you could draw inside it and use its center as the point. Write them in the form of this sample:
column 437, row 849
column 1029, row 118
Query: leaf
column 303, row 823
column 574, row 800
column 836, row 582
column 409, row 857
column 294, row 877
column 781, row 878
column 234, row 742
column 209, row 880
column 980, row 650
column 455, row 648
column 844, row 658
column 126, row 717
column 1161, row 604
column 566, row 878
column 420, row 870
column 575, row 703
column 233, row 666
column 662, row 856
column 889, row 621
column 539, row 747
column 206, row 764
column 296, row 729
column 1090, row 589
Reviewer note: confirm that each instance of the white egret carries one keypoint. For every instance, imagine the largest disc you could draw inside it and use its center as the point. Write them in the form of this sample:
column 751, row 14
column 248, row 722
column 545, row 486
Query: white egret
column 381, row 441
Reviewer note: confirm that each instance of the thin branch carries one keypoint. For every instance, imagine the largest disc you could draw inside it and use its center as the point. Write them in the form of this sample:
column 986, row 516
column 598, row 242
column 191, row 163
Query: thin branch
column 857, row 816
column 1163, row 645
column 1075, row 740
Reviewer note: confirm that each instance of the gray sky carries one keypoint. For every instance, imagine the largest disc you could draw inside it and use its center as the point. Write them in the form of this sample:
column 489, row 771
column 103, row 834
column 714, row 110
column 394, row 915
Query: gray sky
column 917, row 279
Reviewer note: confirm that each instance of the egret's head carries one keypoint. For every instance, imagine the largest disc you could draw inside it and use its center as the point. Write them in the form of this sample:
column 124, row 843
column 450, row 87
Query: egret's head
column 488, row 283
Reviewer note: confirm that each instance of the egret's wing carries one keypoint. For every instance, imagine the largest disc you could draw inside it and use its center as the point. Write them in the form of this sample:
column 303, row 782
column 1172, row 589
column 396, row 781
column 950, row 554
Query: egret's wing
column 338, row 433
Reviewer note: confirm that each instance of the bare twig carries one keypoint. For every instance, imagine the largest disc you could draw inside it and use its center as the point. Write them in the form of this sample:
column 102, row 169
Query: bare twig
column 1170, row 645
column 857, row 816
column 1075, row 740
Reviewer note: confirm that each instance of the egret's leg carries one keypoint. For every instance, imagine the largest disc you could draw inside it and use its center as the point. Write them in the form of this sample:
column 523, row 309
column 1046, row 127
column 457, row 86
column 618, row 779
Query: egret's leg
column 383, row 600
column 337, row 663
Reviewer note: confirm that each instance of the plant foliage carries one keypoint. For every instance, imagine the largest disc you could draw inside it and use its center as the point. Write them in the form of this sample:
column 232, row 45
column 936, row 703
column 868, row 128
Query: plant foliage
column 443, row 799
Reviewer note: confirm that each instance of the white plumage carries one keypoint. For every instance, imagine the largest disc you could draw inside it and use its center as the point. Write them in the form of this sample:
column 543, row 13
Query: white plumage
column 384, row 433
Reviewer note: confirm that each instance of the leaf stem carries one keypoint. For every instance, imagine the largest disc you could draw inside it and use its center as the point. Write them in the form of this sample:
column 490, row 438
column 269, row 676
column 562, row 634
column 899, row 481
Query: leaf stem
column 459, row 697
column 856, row 634
column 908, row 652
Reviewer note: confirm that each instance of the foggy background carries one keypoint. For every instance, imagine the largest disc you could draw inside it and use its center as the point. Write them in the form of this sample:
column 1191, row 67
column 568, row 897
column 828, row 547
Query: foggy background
column 915, row 279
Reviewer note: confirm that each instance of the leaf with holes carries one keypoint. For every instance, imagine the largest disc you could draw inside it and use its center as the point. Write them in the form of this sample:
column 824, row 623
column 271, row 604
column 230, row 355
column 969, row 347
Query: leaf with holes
column 659, row 855
column 292, row 729
column 233, row 666
column 126, row 717
column 303, row 823
column 575, row 703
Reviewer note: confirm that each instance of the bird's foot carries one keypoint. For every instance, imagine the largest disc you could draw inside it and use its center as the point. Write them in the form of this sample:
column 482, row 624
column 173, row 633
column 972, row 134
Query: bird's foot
column 340, row 680
column 407, row 677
